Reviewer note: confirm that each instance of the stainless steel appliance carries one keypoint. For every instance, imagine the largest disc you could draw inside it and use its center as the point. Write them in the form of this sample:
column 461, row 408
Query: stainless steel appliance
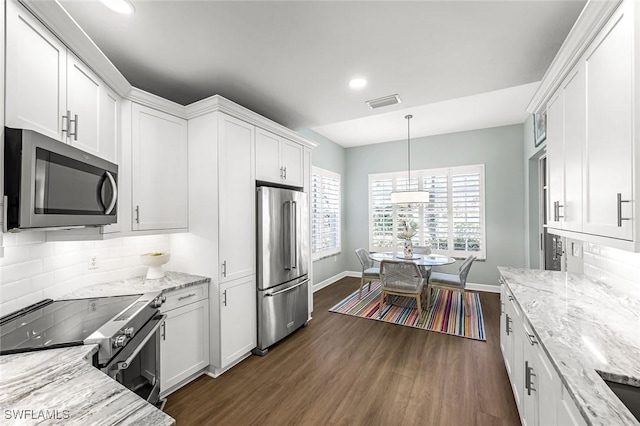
column 49, row 184
column 283, row 264
column 126, row 328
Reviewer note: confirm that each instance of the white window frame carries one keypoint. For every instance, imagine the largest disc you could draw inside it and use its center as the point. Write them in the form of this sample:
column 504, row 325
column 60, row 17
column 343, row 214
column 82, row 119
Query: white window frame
column 331, row 251
column 419, row 174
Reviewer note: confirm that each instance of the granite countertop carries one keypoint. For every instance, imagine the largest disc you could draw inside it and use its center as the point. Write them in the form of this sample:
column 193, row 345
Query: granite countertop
column 63, row 384
column 60, row 386
column 585, row 327
column 171, row 281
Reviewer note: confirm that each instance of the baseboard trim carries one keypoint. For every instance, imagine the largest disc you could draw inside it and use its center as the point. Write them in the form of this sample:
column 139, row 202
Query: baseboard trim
column 333, row 279
column 487, row 288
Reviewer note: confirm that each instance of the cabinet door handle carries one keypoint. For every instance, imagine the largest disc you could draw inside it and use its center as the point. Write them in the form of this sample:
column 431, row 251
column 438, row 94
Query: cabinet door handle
column 532, row 339
column 75, row 127
column 224, row 298
column 507, row 325
column 556, row 211
column 137, row 214
column 281, row 172
column 528, row 374
column 65, row 118
column 510, row 298
column 186, row 297
column 285, row 173
column 164, row 331
column 224, row 268
column 620, row 201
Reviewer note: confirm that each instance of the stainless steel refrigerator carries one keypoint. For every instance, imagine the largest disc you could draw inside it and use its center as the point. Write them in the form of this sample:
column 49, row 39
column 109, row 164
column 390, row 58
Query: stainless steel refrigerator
column 283, row 263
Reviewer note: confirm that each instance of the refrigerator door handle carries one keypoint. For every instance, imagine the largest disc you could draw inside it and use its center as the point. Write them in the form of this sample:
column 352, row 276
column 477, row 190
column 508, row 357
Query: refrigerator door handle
column 287, row 289
column 294, row 235
column 288, row 263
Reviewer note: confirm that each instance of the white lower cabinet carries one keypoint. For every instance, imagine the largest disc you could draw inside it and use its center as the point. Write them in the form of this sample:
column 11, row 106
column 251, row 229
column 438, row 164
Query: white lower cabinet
column 184, row 342
column 540, row 397
column 238, row 331
column 567, row 412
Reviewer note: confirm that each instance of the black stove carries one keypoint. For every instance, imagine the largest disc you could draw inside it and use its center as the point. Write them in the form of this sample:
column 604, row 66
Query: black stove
column 107, row 321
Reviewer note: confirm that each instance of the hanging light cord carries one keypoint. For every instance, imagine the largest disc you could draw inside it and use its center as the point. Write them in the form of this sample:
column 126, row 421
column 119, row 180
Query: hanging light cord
column 409, row 117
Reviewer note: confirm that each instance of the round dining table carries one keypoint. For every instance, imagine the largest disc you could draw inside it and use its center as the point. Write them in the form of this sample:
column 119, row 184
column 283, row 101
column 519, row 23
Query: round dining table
column 424, row 261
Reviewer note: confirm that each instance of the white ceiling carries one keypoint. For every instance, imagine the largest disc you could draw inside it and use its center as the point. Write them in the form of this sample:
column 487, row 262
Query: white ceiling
column 291, row 60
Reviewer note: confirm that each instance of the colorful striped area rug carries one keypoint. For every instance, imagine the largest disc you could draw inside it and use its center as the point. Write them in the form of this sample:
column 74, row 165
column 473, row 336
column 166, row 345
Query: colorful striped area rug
column 447, row 313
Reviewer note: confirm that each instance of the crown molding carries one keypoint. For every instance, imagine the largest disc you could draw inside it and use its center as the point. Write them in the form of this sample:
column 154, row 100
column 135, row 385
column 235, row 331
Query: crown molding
column 218, row 103
column 593, row 17
column 150, row 100
column 58, row 21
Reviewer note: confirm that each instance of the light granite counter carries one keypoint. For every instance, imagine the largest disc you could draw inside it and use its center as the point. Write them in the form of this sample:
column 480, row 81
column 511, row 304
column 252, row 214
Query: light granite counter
column 60, row 386
column 138, row 285
column 584, row 326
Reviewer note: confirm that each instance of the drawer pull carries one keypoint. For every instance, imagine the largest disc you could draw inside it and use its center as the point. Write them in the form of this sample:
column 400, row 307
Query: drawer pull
column 186, row 297
column 532, row 339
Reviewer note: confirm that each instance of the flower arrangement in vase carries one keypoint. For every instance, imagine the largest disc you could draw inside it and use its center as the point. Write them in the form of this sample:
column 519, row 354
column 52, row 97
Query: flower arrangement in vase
column 410, row 229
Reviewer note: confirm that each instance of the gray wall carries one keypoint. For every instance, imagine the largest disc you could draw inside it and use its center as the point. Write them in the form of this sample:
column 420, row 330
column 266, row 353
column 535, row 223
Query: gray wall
column 500, row 149
column 329, row 156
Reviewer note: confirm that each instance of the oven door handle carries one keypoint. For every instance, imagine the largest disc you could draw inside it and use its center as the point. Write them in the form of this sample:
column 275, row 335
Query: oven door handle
column 123, row 365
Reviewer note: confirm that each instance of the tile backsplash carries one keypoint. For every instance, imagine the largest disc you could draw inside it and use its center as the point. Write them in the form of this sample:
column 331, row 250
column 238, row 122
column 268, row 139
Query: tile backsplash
column 613, row 266
column 32, row 270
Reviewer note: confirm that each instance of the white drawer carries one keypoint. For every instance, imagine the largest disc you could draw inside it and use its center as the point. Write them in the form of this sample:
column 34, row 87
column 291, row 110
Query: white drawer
column 184, row 296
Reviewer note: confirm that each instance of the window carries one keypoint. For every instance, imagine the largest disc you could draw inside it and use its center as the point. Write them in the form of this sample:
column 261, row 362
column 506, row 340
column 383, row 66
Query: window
column 325, row 213
column 452, row 223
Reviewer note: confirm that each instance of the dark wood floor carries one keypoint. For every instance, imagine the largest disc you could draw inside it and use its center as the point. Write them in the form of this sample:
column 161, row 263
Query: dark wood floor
column 342, row 370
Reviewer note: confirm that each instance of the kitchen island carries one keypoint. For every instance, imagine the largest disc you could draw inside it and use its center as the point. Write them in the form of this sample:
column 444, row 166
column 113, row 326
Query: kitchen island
column 588, row 330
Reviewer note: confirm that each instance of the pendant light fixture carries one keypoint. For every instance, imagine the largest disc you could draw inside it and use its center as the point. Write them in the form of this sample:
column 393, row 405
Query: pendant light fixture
column 409, row 197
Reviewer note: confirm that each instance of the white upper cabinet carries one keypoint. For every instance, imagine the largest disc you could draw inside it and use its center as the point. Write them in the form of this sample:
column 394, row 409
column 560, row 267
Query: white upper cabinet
column 158, row 170
column 49, row 90
column 278, row 160
column 565, row 139
column 83, row 102
column 574, row 133
column 555, row 160
column 237, row 197
column 593, row 156
column 608, row 173
column 36, row 67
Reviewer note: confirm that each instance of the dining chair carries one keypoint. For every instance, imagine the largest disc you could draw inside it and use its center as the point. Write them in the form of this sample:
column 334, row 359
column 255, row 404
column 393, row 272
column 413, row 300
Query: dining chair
column 369, row 271
column 452, row 281
column 401, row 278
column 424, row 270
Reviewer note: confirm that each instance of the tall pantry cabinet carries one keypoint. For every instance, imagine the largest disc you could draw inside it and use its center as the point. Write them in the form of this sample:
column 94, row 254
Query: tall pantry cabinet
column 222, row 230
column 221, row 243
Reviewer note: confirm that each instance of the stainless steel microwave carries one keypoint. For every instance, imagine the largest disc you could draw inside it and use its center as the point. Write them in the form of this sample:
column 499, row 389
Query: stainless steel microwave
column 51, row 185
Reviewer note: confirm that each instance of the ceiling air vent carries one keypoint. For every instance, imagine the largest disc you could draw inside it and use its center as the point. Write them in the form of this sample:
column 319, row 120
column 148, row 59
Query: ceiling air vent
column 385, row 101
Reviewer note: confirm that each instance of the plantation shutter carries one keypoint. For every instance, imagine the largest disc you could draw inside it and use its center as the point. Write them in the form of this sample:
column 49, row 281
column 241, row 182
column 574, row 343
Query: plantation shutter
column 436, row 213
column 451, row 223
column 381, row 226
column 408, row 212
column 465, row 205
column 325, row 213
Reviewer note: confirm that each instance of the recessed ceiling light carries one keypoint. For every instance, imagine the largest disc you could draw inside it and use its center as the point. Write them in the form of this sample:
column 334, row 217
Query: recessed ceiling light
column 121, row 6
column 357, row 83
